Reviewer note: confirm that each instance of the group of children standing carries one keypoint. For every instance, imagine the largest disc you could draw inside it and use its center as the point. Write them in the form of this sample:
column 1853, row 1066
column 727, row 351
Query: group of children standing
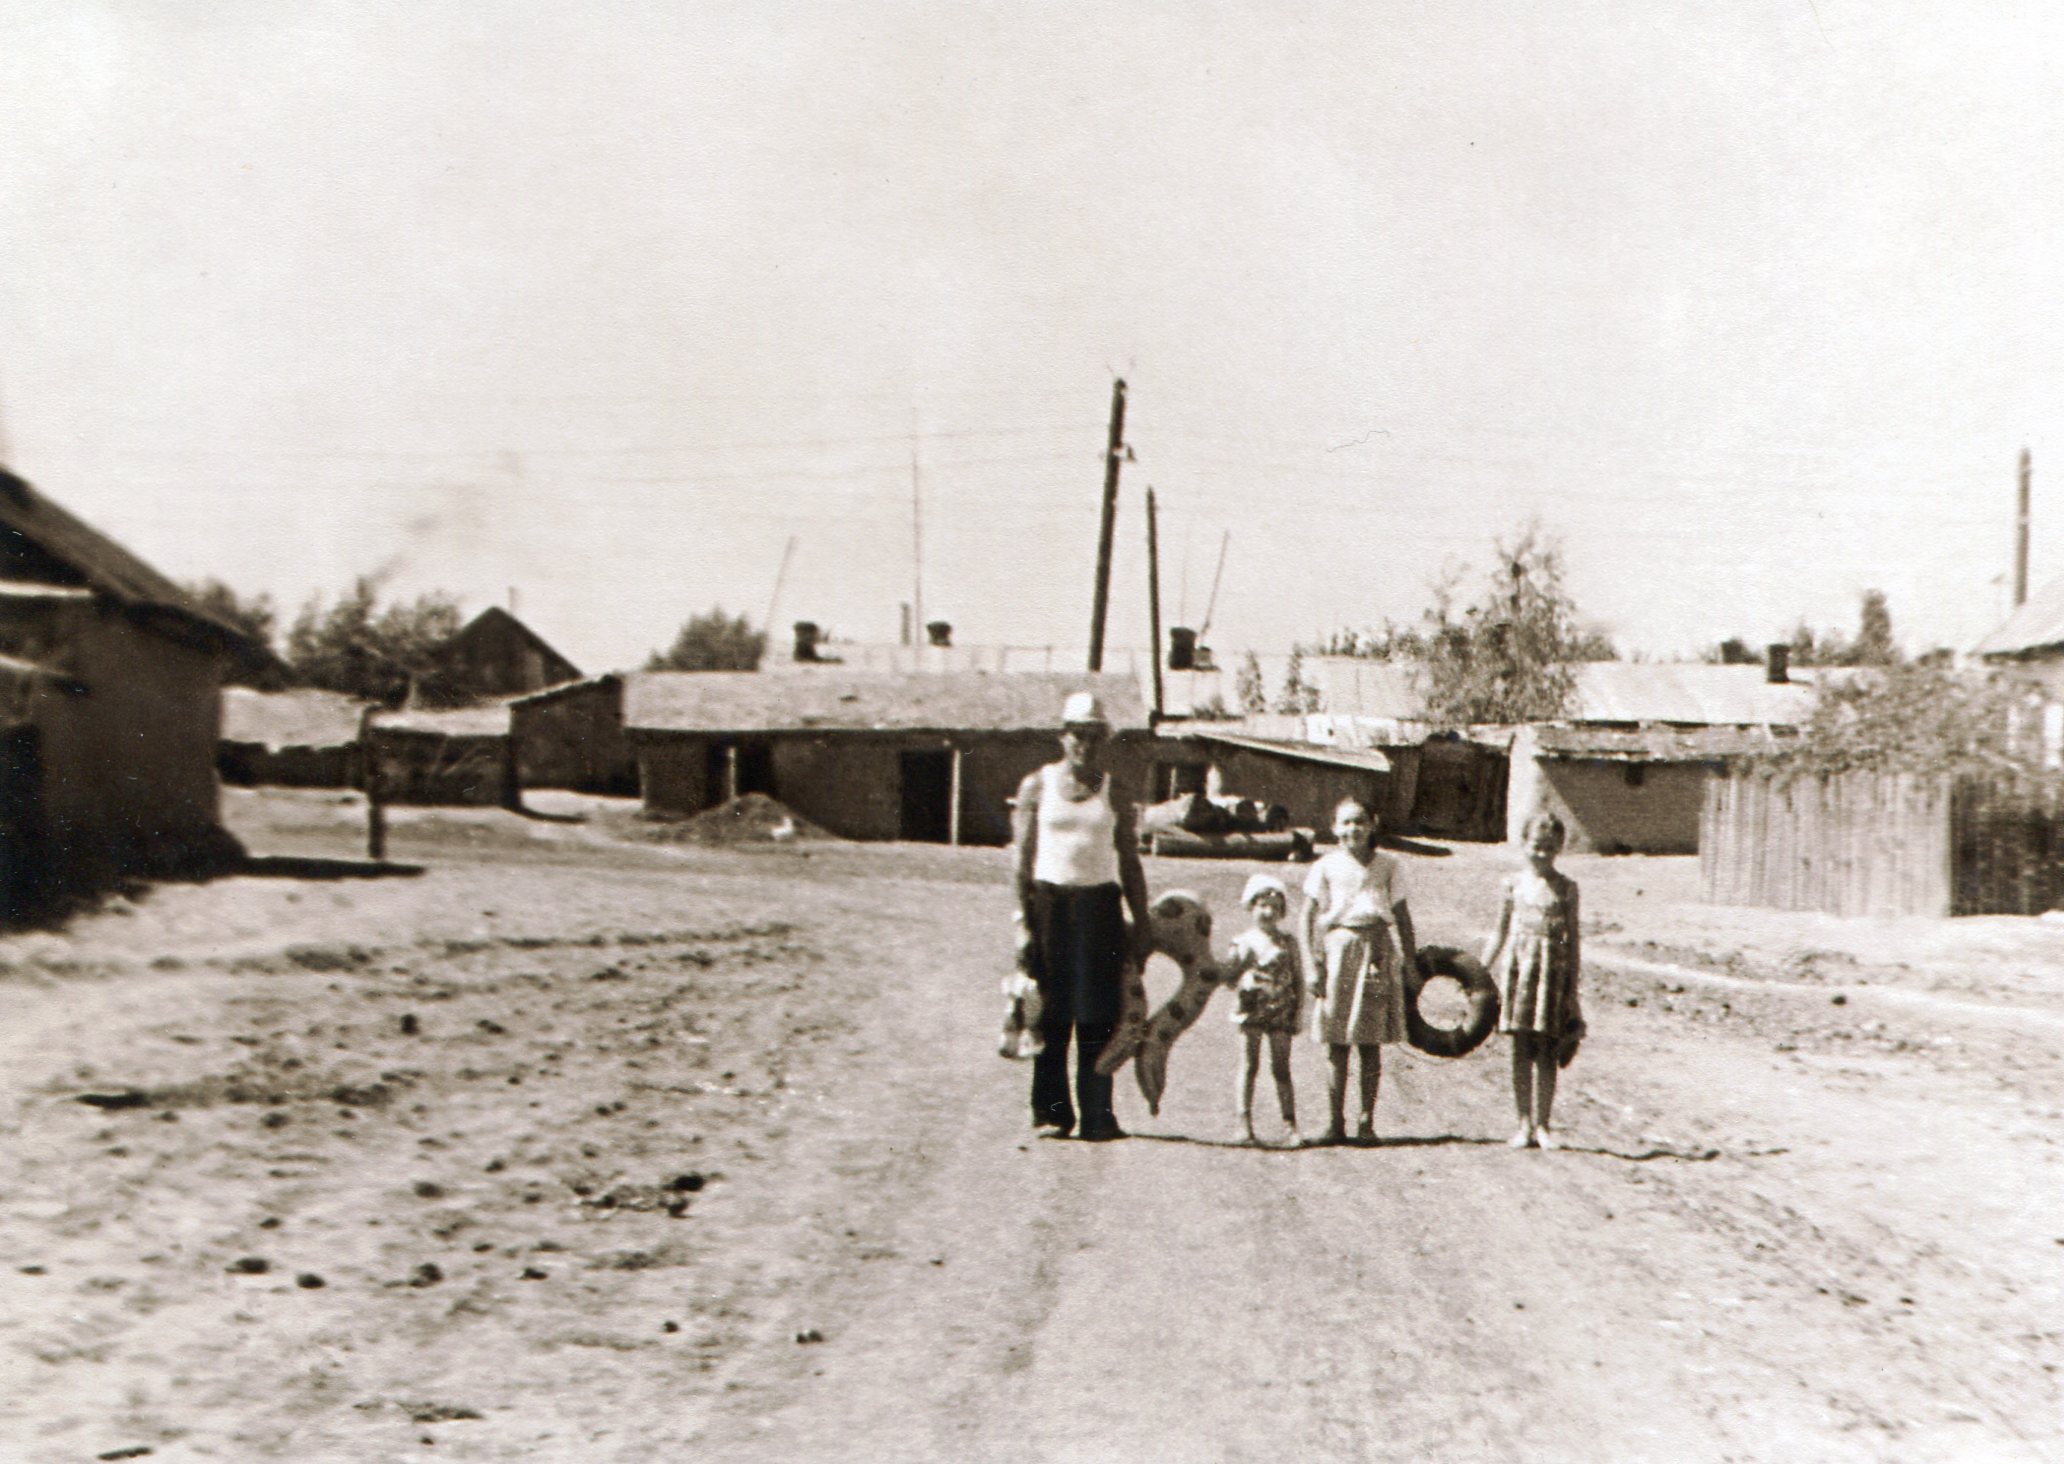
column 1348, row 957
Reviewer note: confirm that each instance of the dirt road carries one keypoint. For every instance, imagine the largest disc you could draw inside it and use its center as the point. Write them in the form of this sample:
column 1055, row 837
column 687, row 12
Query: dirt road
column 603, row 1152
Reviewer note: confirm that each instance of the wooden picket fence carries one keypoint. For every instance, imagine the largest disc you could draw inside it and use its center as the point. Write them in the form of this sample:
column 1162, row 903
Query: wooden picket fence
column 1883, row 844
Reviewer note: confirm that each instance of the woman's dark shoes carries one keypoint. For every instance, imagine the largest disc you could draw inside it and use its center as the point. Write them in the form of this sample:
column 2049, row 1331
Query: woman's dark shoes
column 1102, row 1131
column 1046, row 1126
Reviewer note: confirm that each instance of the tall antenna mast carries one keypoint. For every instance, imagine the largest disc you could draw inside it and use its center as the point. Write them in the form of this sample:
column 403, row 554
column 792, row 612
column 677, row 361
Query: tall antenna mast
column 780, row 578
column 1212, row 604
column 917, row 619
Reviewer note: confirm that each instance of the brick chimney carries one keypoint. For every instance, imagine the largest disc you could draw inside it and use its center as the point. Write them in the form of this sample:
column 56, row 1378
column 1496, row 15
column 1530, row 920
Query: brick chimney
column 1777, row 663
column 939, row 632
column 806, row 640
column 1182, row 648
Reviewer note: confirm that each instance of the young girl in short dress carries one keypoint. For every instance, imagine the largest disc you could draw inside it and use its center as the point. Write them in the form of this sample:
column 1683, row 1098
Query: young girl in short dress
column 1265, row 966
column 1357, row 942
column 1535, row 959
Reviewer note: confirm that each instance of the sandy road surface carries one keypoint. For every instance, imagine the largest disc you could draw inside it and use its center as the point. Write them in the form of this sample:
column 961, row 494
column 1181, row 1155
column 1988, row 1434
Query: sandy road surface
column 650, row 1124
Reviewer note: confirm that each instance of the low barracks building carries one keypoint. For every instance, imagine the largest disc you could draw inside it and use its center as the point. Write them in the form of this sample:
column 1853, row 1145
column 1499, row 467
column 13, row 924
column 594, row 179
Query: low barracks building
column 929, row 756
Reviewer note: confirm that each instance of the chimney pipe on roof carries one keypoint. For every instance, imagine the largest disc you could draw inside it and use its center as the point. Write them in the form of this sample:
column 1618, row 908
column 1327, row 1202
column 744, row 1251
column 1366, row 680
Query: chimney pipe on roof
column 1182, row 648
column 939, row 632
column 806, row 640
column 1777, row 663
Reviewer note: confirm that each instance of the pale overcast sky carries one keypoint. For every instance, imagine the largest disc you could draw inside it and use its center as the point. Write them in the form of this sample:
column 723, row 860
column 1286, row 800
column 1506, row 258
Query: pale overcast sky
column 1754, row 304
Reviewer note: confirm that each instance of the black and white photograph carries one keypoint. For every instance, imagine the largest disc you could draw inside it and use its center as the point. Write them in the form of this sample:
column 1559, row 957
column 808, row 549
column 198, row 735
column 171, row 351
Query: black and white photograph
column 1149, row 733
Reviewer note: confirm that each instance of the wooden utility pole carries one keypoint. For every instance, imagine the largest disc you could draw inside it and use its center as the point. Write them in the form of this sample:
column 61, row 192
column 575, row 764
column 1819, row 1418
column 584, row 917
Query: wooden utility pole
column 1112, row 456
column 2021, row 536
column 1154, row 601
column 375, row 793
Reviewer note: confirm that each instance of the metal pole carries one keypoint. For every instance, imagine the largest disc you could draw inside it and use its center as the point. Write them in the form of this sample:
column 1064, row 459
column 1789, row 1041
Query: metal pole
column 953, row 802
column 2021, row 536
column 1112, row 454
column 1154, row 602
column 917, row 620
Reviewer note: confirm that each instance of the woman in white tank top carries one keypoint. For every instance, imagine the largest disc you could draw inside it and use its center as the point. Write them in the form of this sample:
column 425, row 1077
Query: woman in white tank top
column 1078, row 870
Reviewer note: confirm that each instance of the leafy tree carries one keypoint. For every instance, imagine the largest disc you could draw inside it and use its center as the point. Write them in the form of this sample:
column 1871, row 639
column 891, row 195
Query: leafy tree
column 1298, row 695
column 383, row 654
column 1510, row 655
column 1249, row 688
column 257, row 618
column 712, row 642
column 1873, row 645
column 1919, row 718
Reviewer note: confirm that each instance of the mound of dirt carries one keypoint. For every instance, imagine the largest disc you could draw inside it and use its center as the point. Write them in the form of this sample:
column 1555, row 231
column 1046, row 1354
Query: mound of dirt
column 750, row 818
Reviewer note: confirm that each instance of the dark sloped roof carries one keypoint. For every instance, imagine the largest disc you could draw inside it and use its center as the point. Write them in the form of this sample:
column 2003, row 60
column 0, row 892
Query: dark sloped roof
column 33, row 530
column 493, row 621
column 750, row 701
column 2038, row 625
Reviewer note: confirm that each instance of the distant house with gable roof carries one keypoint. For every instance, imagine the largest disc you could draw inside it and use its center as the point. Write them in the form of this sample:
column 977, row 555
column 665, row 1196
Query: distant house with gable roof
column 495, row 655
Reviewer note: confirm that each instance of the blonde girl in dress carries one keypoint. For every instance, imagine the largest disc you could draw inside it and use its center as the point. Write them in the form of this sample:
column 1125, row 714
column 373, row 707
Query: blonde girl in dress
column 1535, row 959
column 1357, row 944
column 1265, row 966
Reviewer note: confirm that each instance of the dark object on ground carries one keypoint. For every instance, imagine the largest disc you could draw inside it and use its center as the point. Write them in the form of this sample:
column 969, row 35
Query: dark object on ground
column 810, row 1334
column 427, row 1274
column 1476, row 984
column 1294, row 844
column 134, row 1451
column 309, row 1281
column 288, row 866
column 750, row 818
column 439, row 1413
column 249, row 1266
column 130, row 1099
column 1196, row 813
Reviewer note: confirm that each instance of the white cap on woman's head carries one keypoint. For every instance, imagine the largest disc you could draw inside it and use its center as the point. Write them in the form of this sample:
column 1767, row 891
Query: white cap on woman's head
column 1082, row 709
column 1264, row 884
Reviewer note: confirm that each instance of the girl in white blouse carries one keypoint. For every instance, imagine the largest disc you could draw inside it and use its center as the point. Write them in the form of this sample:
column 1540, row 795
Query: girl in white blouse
column 1358, row 942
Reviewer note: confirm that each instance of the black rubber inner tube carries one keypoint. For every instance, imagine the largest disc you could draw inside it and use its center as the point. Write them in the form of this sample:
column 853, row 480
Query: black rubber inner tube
column 1477, row 1023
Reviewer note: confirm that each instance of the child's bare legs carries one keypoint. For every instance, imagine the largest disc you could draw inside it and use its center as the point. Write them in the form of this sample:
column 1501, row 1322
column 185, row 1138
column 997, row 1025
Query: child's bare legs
column 1523, row 1088
column 1533, row 1088
column 1247, row 1072
column 1544, row 1090
column 1279, row 1067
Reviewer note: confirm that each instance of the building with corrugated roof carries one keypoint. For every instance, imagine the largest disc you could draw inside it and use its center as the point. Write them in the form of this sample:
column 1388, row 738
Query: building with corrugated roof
column 2032, row 640
column 933, row 756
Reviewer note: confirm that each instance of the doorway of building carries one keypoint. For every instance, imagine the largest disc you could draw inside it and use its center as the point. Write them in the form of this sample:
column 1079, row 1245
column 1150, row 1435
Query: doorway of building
column 21, row 821
column 926, row 812
column 733, row 769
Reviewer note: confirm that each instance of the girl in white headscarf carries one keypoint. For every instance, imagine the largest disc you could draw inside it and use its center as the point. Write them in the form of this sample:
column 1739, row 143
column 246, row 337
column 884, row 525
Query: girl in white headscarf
column 1264, row 965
